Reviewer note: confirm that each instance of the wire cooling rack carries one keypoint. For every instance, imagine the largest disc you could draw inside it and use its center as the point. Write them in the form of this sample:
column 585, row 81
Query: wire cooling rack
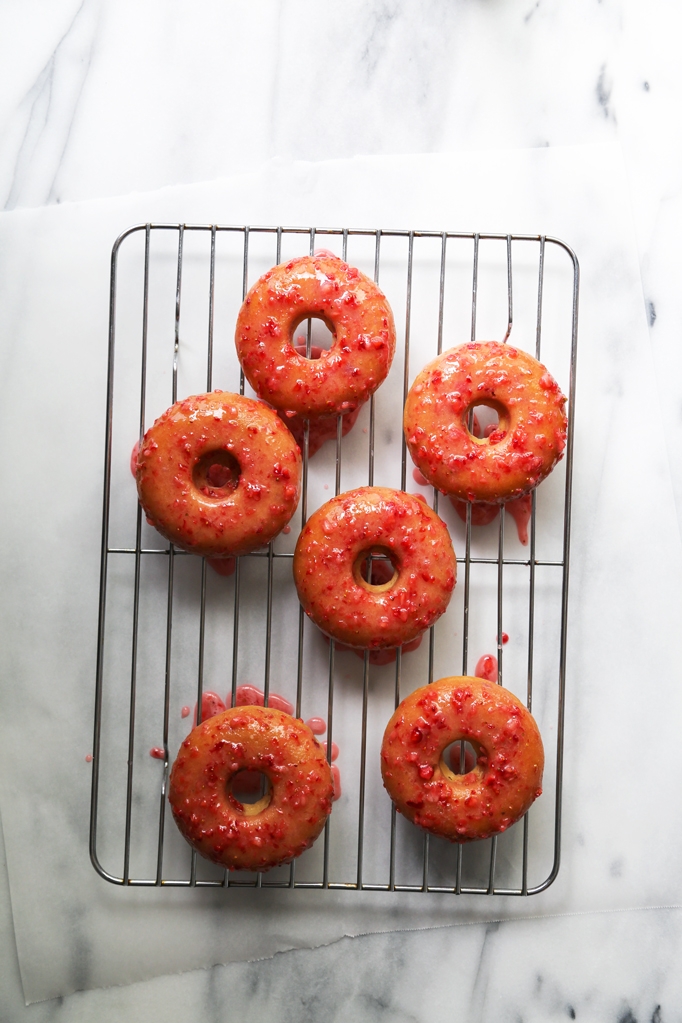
column 170, row 628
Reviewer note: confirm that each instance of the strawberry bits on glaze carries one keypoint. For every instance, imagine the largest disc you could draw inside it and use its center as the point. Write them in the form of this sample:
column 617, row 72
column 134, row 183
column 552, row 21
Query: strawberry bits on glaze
column 352, row 306
column 333, row 551
column 274, row 829
column 499, row 789
column 517, row 454
column 219, row 474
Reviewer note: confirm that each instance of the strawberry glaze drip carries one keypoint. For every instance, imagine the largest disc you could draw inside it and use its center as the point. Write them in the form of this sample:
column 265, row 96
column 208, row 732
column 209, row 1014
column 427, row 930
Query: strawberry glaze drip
column 157, row 752
column 317, row 726
column 486, row 667
column 224, row 566
column 483, row 514
column 378, row 657
column 251, row 696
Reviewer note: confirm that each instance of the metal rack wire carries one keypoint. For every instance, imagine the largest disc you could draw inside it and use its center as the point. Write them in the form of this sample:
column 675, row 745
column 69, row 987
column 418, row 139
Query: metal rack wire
column 112, row 633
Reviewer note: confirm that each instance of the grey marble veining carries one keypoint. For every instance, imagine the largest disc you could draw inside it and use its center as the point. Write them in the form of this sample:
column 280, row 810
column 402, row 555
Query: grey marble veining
column 123, row 96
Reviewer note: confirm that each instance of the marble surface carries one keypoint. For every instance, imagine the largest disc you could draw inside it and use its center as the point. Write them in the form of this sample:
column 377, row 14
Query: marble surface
column 102, row 98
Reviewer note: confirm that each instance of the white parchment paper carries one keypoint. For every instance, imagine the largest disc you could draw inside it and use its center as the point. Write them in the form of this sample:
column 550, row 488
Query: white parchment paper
column 76, row 931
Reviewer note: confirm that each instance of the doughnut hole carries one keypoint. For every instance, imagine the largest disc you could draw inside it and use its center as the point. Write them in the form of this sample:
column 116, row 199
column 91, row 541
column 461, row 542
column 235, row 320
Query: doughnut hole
column 459, row 758
column 216, row 471
column 376, row 569
column 487, row 420
column 322, row 336
column 251, row 791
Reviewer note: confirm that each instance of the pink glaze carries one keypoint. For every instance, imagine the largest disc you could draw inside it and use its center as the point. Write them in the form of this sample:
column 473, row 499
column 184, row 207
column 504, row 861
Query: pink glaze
column 133, row 458
column 223, row 566
column 185, row 712
column 335, row 750
column 520, row 510
column 88, row 758
column 252, row 696
column 336, row 777
column 486, row 668
column 386, row 656
column 211, row 704
column 317, row 726
column 326, row 252
column 483, row 514
column 417, row 476
column 505, row 637
column 286, row 530
column 157, row 752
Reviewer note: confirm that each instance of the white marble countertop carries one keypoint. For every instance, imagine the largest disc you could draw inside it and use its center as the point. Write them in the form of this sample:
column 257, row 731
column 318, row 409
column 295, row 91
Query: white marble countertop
column 100, row 98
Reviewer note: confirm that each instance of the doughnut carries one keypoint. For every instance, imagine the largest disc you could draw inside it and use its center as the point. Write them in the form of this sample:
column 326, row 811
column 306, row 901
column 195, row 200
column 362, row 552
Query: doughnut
column 332, row 552
column 493, row 795
column 524, row 448
column 219, row 474
column 279, row 826
column 354, row 309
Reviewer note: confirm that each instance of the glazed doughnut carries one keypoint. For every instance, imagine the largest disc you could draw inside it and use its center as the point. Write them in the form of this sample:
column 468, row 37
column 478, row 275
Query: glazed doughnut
column 508, row 772
column 219, row 474
column 333, row 549
column 527, row 443
column 354, row 309
column 276, row 828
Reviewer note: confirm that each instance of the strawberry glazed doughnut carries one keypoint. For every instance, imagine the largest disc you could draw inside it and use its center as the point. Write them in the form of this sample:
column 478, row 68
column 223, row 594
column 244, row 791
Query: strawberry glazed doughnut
column 353, row 308
column 280, row 825
column 507, row 776
column 219, row 474
column 524, row 448
column 330, row 567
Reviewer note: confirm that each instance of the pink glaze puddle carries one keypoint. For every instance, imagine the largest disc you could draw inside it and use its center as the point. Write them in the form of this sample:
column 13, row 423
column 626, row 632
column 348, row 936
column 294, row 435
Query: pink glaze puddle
column 251, row 696
column 88, row 758
column 505, row 637
column 210, row 704
column 379, row 657
column 157, row 752
column 185, row 712
column 223, row 566
column 483, row 514
column 336, row 777
column 419, row 477
column 286, row 530
column 486, row 667
column 326, row 252
column 317, row 726
column 335, row 750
